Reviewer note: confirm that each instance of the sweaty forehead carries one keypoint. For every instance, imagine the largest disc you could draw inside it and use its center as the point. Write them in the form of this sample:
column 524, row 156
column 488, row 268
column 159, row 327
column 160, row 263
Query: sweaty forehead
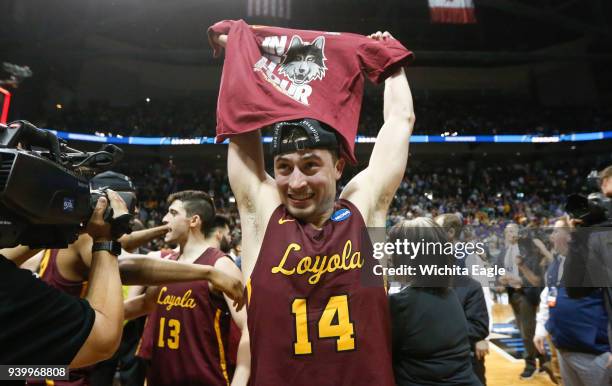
column 300, row 155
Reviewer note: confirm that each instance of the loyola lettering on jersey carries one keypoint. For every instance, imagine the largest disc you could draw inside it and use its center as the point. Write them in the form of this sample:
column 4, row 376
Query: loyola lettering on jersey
column 319, row 265
column 168, row 300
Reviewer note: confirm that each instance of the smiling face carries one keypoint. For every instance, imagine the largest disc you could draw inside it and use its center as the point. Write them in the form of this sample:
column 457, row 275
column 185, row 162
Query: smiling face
column 306, row 181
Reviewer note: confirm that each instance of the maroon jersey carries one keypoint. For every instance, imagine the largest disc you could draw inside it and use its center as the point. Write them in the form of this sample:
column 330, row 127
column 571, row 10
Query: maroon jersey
column 274, row 74
column 50, row 274
column 311, row 320
column 186, row 336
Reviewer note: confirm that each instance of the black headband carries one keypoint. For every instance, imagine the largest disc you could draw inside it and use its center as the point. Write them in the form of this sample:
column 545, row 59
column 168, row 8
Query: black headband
column 318, row 136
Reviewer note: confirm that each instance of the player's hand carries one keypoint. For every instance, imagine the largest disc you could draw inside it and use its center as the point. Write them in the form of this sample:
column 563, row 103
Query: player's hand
column 381, row 36
column 538, row 341
column 228, row 285
column 220, row 39
column 482, row 349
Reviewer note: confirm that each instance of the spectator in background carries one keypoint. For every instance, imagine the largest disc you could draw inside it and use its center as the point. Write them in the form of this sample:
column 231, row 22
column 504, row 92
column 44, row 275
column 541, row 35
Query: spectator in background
column 522, row 282
column 429, row 328
column 472, row 298
column 236, row 250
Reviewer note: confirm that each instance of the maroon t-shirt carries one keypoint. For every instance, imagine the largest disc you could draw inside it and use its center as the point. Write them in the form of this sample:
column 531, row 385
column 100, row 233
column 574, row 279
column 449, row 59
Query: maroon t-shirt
column 187, row 333
column 312, row 318
column 50, row 274
column 274, row 74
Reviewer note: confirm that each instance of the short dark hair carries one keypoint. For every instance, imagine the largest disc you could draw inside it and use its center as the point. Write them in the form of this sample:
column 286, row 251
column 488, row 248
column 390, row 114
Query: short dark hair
column 220, row 221
column 197, row 202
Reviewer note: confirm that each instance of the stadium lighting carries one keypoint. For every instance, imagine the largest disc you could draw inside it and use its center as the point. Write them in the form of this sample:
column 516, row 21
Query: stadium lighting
column 148, row 100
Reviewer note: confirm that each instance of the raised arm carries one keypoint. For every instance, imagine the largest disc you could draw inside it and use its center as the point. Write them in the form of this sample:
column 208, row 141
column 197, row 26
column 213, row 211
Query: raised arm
column 373, row 189
column 245, row 168
column 104, row 292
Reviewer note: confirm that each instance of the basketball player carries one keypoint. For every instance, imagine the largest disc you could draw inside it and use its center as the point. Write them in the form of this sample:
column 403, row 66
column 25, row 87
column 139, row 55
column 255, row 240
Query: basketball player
column 311, row 322
column 186, row 337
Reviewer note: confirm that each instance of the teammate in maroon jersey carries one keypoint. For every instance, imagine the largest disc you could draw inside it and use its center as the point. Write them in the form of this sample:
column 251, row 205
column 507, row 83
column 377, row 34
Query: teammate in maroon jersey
column 310, row 319
column 186, row 336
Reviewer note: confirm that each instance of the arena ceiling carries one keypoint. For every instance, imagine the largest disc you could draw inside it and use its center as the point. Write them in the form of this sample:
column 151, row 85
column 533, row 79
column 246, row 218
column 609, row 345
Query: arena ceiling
column 174, row 31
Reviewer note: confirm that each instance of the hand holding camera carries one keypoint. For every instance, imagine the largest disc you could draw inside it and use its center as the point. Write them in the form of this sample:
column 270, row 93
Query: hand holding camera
column 100, row 228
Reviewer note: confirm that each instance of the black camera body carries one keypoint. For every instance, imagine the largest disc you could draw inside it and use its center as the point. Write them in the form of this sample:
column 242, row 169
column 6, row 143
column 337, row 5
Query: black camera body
column 45, row 195
column 592, row 210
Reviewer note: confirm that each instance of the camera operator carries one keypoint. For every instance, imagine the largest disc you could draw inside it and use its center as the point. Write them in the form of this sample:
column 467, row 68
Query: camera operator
column 588, row 267
column 589, row 261
column 40, row 325
column 520, row 256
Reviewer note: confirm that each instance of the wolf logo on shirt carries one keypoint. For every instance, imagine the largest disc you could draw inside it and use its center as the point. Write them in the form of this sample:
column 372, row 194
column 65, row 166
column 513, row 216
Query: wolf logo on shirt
column 304, row 62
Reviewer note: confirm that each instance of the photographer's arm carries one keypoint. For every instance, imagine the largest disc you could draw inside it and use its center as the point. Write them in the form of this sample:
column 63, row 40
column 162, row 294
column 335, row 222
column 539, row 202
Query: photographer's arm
column 543, row 250
column 104, row 292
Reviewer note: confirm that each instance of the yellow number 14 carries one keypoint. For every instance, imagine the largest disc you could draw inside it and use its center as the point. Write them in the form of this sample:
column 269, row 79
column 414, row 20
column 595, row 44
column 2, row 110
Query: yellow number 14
column 343, row 330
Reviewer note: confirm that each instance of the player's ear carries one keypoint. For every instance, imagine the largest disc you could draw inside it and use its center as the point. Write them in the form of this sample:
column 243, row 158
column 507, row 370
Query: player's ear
column 339, row 167
column 195, row 221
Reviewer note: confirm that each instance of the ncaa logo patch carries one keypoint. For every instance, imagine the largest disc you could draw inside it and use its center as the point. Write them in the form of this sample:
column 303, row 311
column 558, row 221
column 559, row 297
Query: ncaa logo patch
column 341, row 215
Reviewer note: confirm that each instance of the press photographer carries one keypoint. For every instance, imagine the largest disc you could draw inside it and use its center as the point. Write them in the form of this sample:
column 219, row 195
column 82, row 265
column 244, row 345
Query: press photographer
column 40, row 325
column 589, row 263
column 522, row 257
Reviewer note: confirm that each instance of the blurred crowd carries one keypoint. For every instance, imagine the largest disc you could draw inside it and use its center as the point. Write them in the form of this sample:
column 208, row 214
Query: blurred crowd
column 193, row 117
column 485, row 195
